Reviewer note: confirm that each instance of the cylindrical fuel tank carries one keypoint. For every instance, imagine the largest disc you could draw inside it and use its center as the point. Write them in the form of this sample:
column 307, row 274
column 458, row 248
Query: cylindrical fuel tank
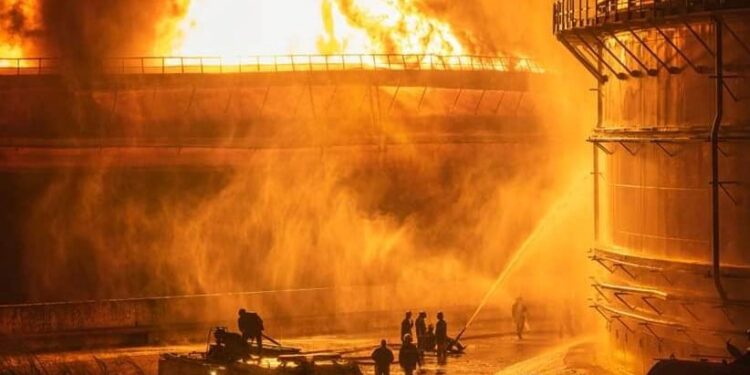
column 668, row 73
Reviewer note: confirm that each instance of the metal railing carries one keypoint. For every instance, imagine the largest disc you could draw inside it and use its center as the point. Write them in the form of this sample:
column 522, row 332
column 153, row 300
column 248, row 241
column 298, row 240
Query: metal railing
column 278, row 63
column 572, row 14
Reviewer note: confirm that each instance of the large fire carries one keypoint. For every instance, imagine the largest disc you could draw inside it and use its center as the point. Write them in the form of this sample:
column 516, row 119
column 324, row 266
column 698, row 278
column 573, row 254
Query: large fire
column 234, row 28
column 279, row 27
column 17, row 18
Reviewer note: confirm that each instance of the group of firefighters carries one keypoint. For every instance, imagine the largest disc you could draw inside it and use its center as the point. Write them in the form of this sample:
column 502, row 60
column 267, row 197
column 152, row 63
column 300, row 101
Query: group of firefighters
column 410, row 355
column 431, row 338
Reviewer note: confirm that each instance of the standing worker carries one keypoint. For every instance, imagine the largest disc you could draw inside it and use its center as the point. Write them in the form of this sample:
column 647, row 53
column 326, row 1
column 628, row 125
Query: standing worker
column 383, row 358
column 406, row 325
column 408, row 355
column 420, row 326
column 441, row 338
column 429, row 339
column 243, row 323
column 519, row 314
column 251, row 326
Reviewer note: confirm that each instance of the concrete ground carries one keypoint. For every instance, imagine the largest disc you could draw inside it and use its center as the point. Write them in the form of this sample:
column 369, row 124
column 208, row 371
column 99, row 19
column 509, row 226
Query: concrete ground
column 487, row 353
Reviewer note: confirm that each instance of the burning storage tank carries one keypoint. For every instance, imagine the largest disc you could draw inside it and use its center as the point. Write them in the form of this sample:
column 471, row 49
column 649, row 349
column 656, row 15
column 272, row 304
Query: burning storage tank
column 186, row 185
column 670, row 155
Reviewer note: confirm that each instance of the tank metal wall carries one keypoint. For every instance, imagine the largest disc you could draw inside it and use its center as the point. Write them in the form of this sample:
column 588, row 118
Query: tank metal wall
column 654, row 196
column 683, row 100
column 657, row 205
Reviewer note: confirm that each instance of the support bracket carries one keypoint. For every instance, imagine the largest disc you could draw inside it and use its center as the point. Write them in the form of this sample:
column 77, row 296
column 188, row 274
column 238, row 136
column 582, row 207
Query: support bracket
column 689, row 311
column 601, row 147
column 601, row 262
column 598, row 56
column 455, row 101
column 649, row 71
column 697, row 69
column 698, row 37
column 595, row 307
column 584, row 61
column 632, row 152
column 598, row 290
column 479, row 102
column 722, row 185
column 666, row 151
column 633, row 73
column 734, row 35
column 421, row 99
column 619, row 319
column 393, row 98
column 670, row 69
column 651, row 330
column 647, row 301
column 625, row 269
column 499, row 103
column 619, row 295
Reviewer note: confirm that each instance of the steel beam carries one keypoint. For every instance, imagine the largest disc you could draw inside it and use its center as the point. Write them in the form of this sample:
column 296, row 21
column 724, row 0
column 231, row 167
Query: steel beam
column 598, row 56
column 649, row 71
column 633, row 73
column 715, row 217
column 699, row 70
column 584, row 61
column 670, row 69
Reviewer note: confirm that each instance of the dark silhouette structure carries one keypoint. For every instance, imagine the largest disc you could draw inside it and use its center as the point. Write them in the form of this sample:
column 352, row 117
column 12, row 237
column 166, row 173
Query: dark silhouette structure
column 519, row 314
column 228, row 347
column 441, row 338
column 406, row 325
column 383, row 358
column 408, row 355
column 251, row 326
column 429, row 340
column 420, row 326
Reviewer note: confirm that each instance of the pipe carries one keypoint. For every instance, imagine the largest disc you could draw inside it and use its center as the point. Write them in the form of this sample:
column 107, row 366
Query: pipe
column 715, row 239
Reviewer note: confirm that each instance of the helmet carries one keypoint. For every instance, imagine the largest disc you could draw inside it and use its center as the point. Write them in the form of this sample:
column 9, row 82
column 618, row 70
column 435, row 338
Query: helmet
column 407, row 338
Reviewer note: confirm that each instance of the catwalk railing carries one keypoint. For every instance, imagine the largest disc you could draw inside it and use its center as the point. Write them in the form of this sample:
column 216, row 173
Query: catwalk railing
column 573, row 14
column 270, row 64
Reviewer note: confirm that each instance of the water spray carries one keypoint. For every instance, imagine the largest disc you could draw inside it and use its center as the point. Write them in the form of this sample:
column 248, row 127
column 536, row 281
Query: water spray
column 523, row 249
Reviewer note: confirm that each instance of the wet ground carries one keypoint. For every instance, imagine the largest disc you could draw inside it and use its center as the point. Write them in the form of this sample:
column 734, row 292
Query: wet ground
column 486, row 353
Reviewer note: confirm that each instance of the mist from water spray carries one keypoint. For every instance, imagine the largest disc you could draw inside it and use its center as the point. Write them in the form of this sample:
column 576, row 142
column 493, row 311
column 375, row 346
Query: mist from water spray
column 524, row 249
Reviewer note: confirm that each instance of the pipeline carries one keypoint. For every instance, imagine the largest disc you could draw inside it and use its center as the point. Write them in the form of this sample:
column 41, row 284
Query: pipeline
column 715, row 239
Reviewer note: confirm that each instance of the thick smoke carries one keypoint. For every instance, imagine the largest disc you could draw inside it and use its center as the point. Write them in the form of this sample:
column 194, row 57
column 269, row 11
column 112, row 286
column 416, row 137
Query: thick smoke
column 286, row 220
column 85, row 31
column 90, row 29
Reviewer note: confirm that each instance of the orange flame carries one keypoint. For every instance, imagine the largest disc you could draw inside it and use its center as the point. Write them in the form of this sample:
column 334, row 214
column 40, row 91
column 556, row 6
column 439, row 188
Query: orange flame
column 17, row 18
column 231, row 28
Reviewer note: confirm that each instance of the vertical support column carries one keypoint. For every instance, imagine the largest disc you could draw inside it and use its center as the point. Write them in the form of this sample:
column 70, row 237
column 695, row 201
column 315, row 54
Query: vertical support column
column 599, row 88
column 596, row 192
column 719, row 87
column 599, row 122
